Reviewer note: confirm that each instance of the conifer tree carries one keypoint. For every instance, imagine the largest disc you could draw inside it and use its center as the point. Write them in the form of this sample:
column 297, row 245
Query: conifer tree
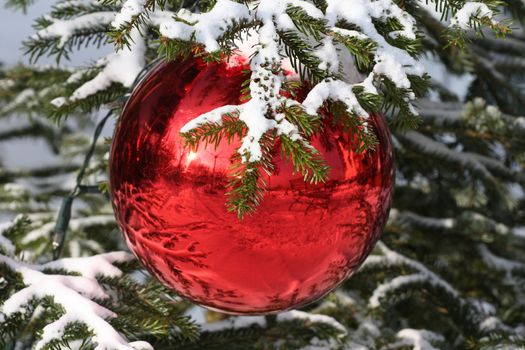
column 449, row 272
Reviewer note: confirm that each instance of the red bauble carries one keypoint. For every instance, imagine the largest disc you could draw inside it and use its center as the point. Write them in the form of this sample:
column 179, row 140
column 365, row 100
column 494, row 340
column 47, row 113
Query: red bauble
column 302, row 241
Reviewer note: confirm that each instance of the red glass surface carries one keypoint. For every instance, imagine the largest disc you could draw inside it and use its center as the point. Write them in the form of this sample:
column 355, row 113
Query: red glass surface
column 170, row 203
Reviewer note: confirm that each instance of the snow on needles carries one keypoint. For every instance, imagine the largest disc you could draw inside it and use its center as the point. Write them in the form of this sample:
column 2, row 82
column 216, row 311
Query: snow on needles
column 67, row 28
column 121, row 67
column 423, row 274
column 208, row 26
column 260, row 113
column 294, row 315
column 74, row 294
column 130, row 9
column 418, row 339
column 471, row 9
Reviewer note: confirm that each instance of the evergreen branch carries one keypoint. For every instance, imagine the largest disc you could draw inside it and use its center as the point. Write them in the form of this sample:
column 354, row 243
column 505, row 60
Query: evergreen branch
column 149, row 309
column 305, row 159
column 362, row 49
column 38, row 46
column 306, row 24
column 173, row 48
column 355, row 126
column 121, row 34
column 247, row 188
column 396, row 101
column 246, row 185
column 213, row 133
column 301, row 55
column 391, row 25
column 111, row 95
column 321, row 5
column 482, row 18
column 308, row 124
column 69, row 294
column 19, row 4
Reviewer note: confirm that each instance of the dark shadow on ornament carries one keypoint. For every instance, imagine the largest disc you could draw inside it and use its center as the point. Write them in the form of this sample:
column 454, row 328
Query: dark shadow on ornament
column 311, row 195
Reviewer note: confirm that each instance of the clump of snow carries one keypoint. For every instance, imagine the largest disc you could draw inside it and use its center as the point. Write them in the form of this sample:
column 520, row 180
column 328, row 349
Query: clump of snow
column 120, row 67
column 328, row 55
column 419, row 339
column 212, row 117
column 92, row 266
column 471, row 9
column 209, row 26
column 424, row 221
column 6, row 83
column 394, row 62
column 130, row 9
column 519, row 231
column 58, row 102
column 335, row 90
column 458, row 84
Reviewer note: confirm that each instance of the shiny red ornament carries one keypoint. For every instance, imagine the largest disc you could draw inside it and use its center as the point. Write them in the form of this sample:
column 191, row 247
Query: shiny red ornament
column 170, row 202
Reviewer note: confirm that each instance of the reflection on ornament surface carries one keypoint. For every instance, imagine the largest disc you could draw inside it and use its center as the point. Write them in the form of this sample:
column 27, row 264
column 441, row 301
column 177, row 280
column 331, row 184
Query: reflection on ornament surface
column 303, row 240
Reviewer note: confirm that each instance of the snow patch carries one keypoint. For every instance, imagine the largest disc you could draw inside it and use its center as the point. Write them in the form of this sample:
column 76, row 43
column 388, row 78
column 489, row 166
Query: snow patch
column 208, row 26
column 471, row 9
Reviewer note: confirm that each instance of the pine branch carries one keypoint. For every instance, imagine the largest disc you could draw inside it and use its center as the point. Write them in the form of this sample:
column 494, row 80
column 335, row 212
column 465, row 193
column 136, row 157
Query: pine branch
column 306, row 24
column 61, row 47
column 361, row 49
column 246, row 185
column 305, row 159
column 304, row 62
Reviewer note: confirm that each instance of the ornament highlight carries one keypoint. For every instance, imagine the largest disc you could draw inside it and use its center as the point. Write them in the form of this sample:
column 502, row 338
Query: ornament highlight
column 302, row 241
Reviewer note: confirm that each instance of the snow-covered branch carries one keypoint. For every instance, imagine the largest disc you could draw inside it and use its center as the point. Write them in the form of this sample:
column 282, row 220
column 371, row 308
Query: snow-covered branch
column 75, row 294
column 391, row 257
column 273, row 19
column 477, row 312
column 294, row 315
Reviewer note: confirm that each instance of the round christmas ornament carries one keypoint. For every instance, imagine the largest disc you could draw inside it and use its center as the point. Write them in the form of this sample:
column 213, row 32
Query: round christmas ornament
column 172, row 201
